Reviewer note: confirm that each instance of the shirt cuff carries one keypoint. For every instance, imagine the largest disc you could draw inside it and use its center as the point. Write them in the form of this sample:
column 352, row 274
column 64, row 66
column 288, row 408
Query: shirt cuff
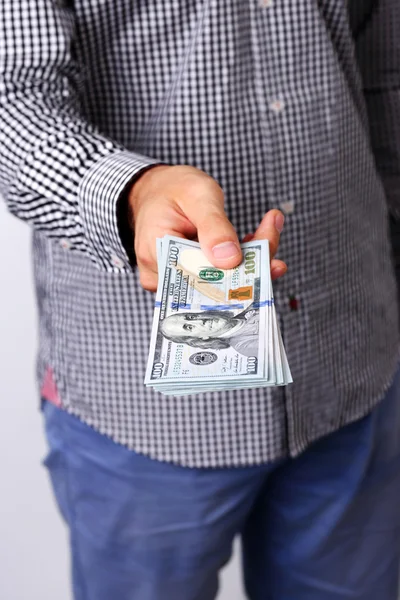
column 99, row 192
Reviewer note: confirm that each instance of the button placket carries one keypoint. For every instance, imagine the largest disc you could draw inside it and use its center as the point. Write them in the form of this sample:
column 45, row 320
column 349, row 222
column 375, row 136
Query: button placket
column 277, row 105
column 287, row 207
column 117, row 261
column 65, row 244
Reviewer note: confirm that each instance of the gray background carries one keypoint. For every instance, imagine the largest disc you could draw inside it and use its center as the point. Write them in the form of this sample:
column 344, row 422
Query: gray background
column 33, row 540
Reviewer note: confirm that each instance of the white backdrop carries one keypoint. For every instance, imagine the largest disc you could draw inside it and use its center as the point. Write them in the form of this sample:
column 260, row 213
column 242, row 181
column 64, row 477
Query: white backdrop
column 33, row 540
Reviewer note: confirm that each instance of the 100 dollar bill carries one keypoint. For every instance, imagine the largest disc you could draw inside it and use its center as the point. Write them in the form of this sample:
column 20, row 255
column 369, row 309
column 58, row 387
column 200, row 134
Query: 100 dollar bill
column 209, row 324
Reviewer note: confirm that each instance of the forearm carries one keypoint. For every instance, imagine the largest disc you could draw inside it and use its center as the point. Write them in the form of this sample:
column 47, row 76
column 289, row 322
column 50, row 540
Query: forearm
column 57, row 171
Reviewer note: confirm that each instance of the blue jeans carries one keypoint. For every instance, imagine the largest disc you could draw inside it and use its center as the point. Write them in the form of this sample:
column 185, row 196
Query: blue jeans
column 322, row 526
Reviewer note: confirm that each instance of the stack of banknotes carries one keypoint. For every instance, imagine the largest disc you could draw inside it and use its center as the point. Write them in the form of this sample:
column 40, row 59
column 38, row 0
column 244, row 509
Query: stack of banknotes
column 214, row 329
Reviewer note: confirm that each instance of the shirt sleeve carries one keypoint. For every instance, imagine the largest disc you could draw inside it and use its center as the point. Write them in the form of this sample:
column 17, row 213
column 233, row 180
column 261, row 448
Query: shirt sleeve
column 57, row 172
column 378, row 54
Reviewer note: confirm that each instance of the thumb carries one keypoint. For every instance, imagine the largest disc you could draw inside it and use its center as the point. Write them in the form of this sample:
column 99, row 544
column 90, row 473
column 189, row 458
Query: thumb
column 216, row 234
column 270, row 229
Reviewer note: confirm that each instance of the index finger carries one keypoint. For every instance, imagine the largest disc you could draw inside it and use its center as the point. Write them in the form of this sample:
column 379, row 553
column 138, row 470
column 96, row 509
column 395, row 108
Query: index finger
column 270, row 229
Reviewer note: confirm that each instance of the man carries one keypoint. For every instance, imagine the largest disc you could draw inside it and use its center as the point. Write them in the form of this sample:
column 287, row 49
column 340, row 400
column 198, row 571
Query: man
column 117, row 121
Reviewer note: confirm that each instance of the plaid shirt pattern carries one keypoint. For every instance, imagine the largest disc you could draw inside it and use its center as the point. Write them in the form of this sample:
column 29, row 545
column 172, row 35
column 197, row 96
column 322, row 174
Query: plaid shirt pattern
column 292, row 104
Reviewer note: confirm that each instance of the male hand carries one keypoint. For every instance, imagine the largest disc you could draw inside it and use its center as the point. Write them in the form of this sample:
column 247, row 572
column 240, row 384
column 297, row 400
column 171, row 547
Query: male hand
column 186, row 202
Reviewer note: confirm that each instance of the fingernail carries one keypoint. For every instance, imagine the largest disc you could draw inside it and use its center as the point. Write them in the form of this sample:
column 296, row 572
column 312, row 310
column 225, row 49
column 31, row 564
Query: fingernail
column 279, row 222
column 225, row 250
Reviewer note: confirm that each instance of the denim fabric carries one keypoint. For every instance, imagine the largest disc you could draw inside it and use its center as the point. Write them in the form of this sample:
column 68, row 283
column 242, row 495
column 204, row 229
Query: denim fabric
column 324, row 526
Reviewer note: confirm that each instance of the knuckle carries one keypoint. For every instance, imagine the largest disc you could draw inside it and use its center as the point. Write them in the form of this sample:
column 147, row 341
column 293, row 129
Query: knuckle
column 214, row 220
column 147, row 261
column 199, row 185
column 148, row 281
column 144, row 257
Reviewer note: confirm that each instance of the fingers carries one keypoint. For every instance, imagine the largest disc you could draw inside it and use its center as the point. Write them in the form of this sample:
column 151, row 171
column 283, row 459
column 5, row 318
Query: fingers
column 216, row 234
column 147, row 266
column 185, row 202
column 218, row 240
column 278, row 268
column 270, row 229
column 148, row 280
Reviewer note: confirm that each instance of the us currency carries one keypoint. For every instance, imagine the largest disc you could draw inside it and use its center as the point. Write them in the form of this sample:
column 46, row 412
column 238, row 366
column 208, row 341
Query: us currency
column 214, row 329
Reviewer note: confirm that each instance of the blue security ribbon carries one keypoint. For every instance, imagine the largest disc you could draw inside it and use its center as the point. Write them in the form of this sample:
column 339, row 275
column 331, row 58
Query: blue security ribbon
column 221, row 307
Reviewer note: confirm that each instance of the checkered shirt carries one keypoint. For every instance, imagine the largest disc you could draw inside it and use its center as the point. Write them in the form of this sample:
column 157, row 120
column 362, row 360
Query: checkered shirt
column 287, row 103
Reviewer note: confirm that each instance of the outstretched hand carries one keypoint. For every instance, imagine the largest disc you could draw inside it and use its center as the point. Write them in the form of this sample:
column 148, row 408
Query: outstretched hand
column 186, row 202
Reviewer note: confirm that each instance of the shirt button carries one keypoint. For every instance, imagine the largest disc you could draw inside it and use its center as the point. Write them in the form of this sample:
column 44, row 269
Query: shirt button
column 277, row 106
column 288, row 207
column 117, row 261
column 266, row 3
column 65, row 244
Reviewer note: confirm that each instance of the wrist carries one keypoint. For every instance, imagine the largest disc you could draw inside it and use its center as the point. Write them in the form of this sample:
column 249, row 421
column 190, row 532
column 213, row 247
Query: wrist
column 125, row 213
column 142, row 182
